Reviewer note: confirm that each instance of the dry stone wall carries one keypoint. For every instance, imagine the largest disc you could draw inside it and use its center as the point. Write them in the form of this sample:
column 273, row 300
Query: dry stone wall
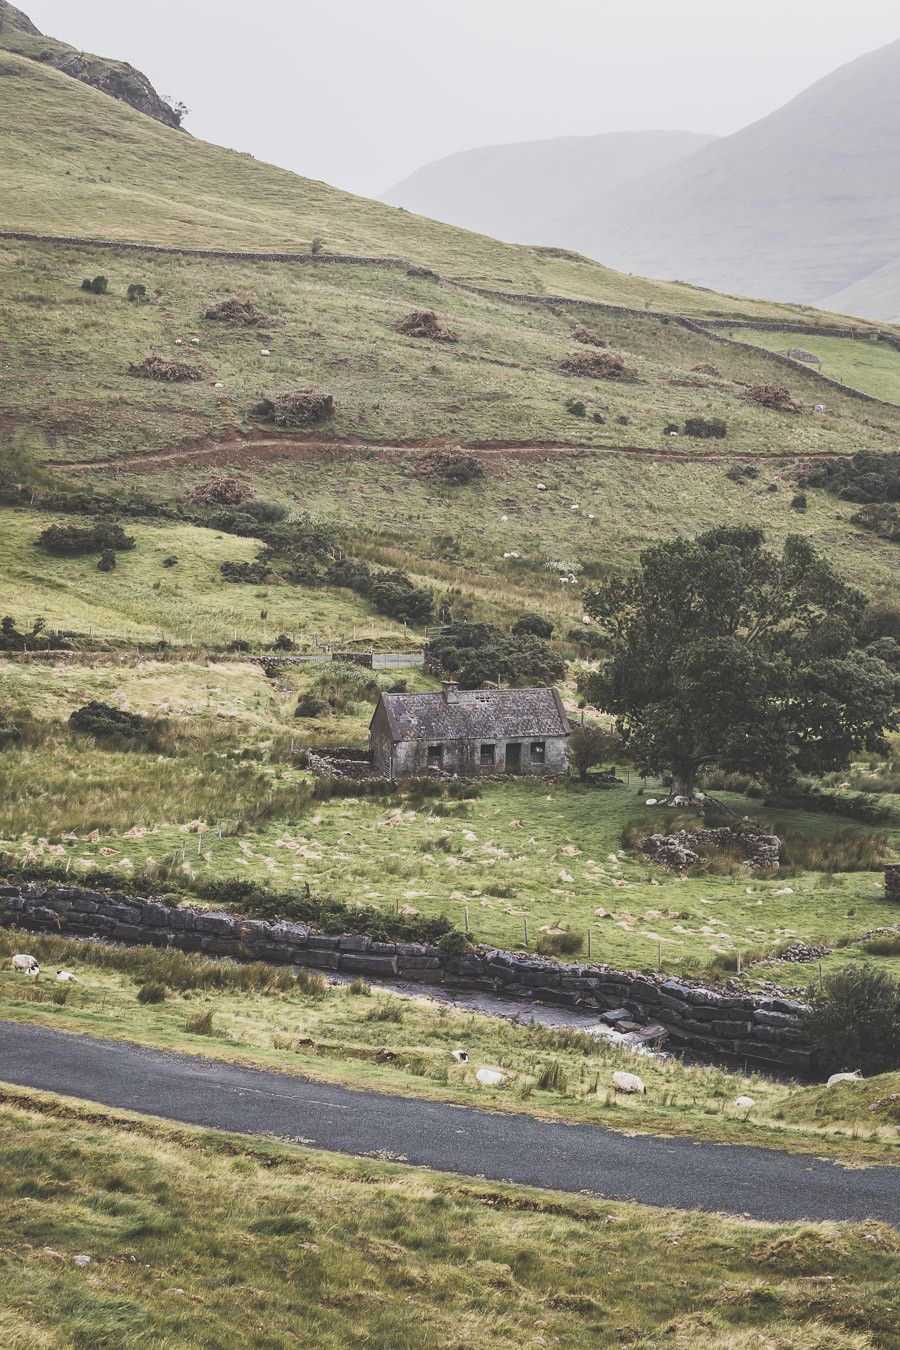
column 706, row 1022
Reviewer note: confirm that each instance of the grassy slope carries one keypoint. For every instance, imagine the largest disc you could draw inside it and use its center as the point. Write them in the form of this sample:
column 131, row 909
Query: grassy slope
column 68, row 353
column 117, row 174
column 341, row 1035
column 192, row 1233
column 870, row 366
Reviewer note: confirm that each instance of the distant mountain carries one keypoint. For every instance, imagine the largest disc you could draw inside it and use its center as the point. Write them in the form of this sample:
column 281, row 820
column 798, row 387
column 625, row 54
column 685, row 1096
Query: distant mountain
column 524, row 193
column 116, row 78
column 802, row 206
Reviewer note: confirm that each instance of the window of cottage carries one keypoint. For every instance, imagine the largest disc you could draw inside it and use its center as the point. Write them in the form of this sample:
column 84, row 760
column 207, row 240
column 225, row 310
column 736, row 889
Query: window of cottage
column 487, row 755
column 538, row 752
column 436, row 755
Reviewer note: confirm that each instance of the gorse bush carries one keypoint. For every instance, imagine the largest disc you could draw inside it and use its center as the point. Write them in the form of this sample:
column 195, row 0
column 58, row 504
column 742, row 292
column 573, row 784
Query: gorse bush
column 68, row 541
column 104, row 722
column 854, row 1021
column 705, row 428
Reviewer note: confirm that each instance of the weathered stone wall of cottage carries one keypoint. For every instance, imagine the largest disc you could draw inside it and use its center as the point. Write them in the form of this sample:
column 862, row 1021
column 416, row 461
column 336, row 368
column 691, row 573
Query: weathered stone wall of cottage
column 705, row 1022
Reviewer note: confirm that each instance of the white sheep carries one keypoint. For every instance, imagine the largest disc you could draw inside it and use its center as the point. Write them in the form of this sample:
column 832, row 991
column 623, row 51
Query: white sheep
column 628, row 1082
column 27, row 965
column 489, row 1078
column 745, row 1103
column 542, row 487
column 461, row 1056
column 195, row 341
column 265, row 352
column 854, row 1077
column 65, row 977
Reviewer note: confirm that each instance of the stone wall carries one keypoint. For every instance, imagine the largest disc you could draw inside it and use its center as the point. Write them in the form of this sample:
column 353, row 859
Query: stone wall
column 707, row 1023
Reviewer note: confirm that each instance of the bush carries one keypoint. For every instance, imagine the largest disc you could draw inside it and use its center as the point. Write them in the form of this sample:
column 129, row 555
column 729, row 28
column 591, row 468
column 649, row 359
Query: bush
column 394, row 594
column 705, row 428
column 11, row 640
column 220, row 489
column 252, row 573
column 590, row 745
column 597, row 365
column 68, row 541
column 534, row 624
column 476, row 653
column 798, row 501
column 424, row 323
column 311, row 705
column 107, row 561
column 455, row 944
column 98, row 286
column 283, row 643
column 740, row 473
column 154, row 991
column 576, row 407
column 447, row 466
column 559, row 944
column 103, row 721
column 854, row 1021
column 865, row 477
column 137, row 293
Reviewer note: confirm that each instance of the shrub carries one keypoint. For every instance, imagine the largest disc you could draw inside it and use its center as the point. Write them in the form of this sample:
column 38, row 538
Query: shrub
column 137, row 293
column 158, row 367
column 447, row 466
column 154, row 991
column 103, row 721
column 476, row 653
column 395, row 594
column 220, row 489
column 597, row 365
column 536, row 624
column 202, row 1024
column 882, row 518
column 359, row 988
column 455, row 944
column 311, row 705
column 798, row 502
column 238, row 645
column 424, row 323
column 591, row 744
column 107, row 561
column 883, row 944
column 241, row 312
column 423, row 273
column 252, row 573
column 387, row 1010
column 11, row 640
column 854, row 1020
column 98, row 286
column 576, row 407
column 740, row 473
column 868, row 476
column 300, row 408
column 559, row 944
column 68, row 541
column 316, row 245
column 705, row 427
column 283, row 643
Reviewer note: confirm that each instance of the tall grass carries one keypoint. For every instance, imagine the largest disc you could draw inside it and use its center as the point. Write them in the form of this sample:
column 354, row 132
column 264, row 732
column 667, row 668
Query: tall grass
column 846, row 851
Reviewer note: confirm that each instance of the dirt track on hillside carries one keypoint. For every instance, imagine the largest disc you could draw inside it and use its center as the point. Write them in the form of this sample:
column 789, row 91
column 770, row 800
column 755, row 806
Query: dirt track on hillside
column 240, row 450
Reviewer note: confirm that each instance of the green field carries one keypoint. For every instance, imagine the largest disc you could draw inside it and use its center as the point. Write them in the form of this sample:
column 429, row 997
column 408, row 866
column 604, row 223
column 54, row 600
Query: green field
column 191, row 1233
column 872, row 367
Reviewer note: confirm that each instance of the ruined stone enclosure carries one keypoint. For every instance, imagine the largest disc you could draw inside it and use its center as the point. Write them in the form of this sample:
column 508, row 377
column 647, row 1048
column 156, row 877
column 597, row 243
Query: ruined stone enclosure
column 471, row 732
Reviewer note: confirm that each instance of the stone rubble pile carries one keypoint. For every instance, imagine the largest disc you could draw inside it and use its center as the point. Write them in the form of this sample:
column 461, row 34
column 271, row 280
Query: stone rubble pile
column 688, row 847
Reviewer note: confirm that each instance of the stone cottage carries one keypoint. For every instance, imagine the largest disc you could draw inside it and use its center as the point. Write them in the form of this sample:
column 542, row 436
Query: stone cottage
column 470, row 732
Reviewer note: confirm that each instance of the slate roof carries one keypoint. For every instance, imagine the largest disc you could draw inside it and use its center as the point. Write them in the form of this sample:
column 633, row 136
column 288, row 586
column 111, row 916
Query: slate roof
column 477, row 715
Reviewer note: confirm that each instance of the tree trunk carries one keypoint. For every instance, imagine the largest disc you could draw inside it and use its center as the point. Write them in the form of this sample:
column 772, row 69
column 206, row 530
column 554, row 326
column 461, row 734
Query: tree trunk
column 683, row 779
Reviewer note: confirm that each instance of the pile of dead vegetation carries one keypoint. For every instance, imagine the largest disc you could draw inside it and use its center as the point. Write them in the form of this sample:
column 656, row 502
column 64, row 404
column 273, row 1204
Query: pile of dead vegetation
column 220, row 489
column 424, row 323
column 299, row 408
column 598, row 366
column 705, row 368
column 587, row 336
column 241, row 312
column 446, row 466
column 776, row 396
column 158, row 367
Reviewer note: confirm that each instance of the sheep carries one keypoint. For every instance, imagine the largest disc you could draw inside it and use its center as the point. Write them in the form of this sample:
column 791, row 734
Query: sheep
column 265, row 352
column 26, row 964
column 489, row 1078
column 65, row 977
column 854, row 1077
column 461, row 1056
column 745, row 1103
column 628, row 1082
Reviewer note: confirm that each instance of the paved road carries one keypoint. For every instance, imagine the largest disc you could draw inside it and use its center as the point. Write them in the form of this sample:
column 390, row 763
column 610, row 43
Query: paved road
column 761, row 1183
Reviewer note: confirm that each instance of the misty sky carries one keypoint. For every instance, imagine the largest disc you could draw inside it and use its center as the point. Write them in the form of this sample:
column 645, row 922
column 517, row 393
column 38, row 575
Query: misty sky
column 361, row 92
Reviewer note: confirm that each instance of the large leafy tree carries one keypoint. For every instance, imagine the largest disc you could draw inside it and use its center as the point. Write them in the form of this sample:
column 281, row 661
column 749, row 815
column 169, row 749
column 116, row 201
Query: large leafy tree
column 724, row 652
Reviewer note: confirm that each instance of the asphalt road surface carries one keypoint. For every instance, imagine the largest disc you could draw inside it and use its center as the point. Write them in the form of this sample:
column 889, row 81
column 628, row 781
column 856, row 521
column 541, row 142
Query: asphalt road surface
column 759, row 1183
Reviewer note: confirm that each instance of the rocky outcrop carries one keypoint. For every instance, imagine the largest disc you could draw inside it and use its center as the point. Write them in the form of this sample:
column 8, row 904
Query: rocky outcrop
column 13, row 17
column 707, row 1023
column 120, row 81
column 688, row 847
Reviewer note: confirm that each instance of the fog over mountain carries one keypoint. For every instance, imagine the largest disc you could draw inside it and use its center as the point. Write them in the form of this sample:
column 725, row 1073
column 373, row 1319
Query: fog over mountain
column 524, row 192
column 803, row 205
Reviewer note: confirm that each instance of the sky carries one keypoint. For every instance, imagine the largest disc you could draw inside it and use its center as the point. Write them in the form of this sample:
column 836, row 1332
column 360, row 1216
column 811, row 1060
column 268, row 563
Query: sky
column 362, row 92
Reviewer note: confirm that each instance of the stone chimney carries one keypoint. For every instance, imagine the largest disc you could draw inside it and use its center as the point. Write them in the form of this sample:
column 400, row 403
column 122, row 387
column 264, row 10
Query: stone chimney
column 450, row 690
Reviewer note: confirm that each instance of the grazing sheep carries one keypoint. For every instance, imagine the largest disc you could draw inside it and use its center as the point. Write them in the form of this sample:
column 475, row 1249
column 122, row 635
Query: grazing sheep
column 65, row 977
column 461, row 1056
column 628, row 1082
column 854, row 1077
column 744, row 1103
column 26, row 964
column 489, row 1078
